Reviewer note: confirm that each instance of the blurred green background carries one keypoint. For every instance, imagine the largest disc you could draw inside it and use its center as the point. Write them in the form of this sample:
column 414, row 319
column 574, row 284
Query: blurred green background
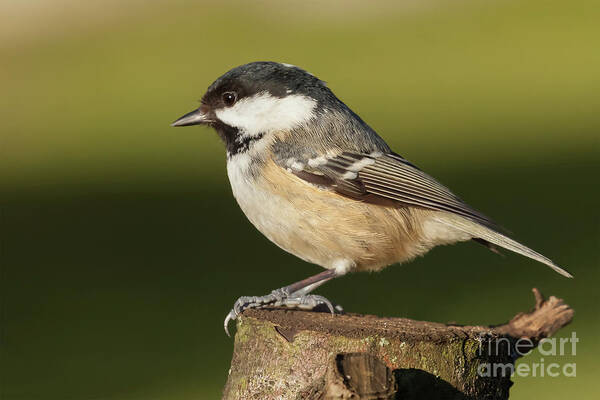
column 123, row 248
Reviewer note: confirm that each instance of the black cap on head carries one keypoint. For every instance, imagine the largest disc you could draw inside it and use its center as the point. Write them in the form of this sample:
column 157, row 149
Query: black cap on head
column 279, row 80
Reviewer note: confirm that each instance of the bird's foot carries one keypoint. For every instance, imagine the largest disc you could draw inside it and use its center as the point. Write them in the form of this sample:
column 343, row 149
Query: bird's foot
column 280, row 298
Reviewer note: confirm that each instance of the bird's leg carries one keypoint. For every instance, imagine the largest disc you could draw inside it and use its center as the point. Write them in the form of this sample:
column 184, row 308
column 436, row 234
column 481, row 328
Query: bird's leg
column 295, row 295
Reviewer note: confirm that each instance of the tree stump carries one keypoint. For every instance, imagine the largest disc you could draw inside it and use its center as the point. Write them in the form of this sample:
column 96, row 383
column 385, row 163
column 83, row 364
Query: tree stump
column 285, row 354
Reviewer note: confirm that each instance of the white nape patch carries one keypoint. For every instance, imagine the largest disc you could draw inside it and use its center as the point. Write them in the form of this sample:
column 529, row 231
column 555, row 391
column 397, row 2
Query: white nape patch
column 360, row 164
column 350, row 175
column 294, row 66
column 263, row 113
column 343, row 266
column 317, row 161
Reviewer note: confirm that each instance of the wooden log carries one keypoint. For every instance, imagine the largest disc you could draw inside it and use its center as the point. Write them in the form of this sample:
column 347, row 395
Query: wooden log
column 285, row 354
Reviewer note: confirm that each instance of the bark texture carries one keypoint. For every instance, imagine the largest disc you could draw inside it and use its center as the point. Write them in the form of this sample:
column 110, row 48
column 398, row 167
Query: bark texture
column 285, row 354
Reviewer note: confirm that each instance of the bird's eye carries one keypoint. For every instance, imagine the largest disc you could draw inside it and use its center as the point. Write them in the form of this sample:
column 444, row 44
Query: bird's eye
column 229, row 98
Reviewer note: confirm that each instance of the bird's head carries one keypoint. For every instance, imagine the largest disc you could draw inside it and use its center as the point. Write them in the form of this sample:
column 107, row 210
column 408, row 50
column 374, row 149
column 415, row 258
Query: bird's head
column 254, row 99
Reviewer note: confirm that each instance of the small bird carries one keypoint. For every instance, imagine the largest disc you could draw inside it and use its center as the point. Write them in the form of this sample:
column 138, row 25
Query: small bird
column 321, row 184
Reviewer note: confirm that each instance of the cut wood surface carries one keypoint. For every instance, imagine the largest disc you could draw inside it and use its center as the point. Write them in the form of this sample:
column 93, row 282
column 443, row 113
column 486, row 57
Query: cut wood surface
column 290, row 354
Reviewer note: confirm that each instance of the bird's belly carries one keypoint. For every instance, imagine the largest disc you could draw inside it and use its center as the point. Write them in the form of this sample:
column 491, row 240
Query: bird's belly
column 322, row 227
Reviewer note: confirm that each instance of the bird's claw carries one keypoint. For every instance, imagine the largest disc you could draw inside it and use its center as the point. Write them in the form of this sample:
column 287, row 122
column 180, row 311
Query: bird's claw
column 278, row 298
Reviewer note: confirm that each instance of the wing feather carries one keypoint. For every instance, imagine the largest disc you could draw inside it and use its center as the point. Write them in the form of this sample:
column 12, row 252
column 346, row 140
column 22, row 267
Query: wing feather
column 391, row 177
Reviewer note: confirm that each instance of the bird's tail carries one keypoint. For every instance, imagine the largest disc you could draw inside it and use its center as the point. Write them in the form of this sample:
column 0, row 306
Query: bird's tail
column 478, row 231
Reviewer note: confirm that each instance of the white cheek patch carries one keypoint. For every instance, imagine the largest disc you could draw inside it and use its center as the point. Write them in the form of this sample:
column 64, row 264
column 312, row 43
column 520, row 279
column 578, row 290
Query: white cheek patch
column 263, row 113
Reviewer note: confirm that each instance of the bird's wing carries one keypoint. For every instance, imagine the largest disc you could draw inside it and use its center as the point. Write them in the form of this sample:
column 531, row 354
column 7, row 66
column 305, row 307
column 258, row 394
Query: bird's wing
column 387, row 177
column 376, row 176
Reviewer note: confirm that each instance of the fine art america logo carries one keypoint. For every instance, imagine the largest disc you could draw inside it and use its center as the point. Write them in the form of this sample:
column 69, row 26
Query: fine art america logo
column 507, row 351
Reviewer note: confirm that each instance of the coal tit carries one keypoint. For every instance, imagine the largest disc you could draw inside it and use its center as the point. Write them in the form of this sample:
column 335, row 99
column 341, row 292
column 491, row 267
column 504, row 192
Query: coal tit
column 320, row 183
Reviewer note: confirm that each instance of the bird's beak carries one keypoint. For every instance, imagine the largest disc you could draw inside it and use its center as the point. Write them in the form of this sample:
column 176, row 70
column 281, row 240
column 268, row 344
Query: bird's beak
column 196, row 117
